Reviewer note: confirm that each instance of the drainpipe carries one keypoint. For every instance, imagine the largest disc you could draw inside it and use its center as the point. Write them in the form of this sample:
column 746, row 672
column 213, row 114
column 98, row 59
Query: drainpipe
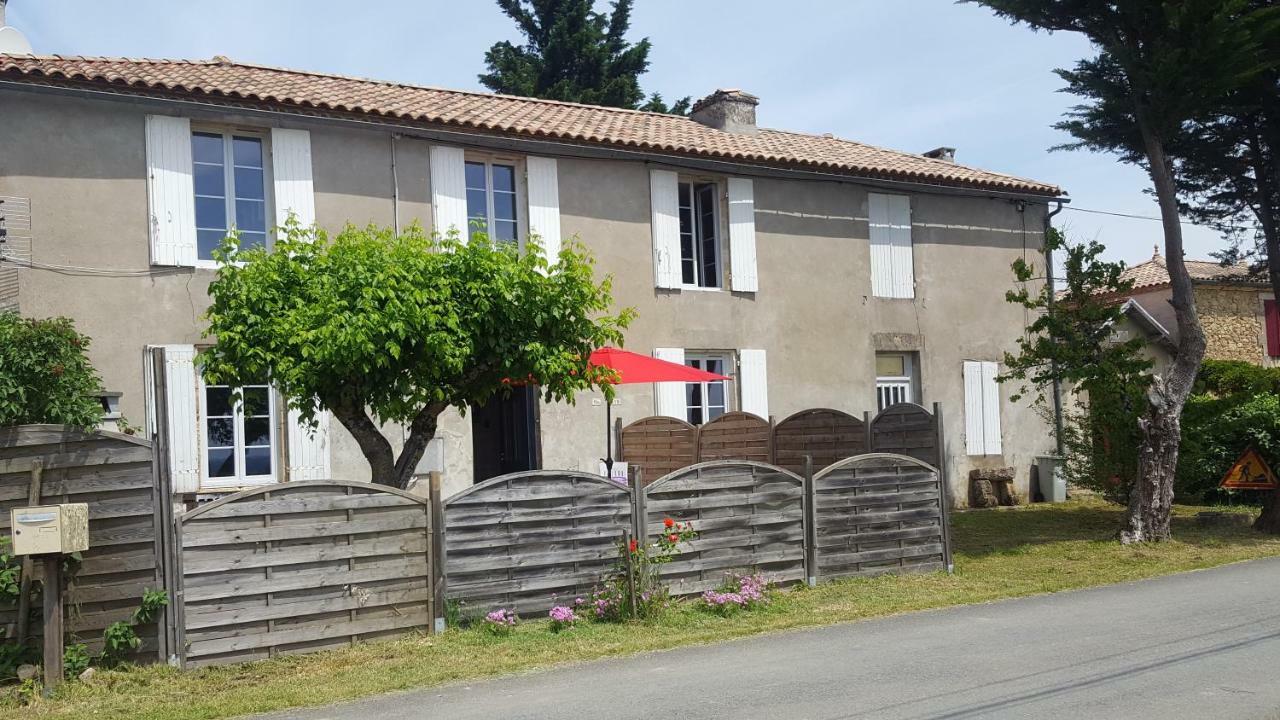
column 1057, row 384
column 395, row 186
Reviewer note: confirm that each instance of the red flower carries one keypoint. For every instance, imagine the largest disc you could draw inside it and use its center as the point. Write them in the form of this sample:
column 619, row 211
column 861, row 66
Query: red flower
column 668, row 522
column 634, row 545
column 673, row 537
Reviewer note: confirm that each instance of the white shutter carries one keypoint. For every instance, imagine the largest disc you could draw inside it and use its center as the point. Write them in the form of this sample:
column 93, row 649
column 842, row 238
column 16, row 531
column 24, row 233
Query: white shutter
column 742, row 235
column 170, row 191
column 449, row 191
column 668, row 397
column 892, row 265
column 308, row 449
column 753, row 382
column 973, row 420
column 991, row 409
column 543, row 188
column 182, row 416
column 665, row 205
column 291, row 174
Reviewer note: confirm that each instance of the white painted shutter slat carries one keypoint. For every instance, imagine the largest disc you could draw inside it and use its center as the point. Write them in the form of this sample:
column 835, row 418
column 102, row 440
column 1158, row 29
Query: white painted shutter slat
column 449, row 191
column 665, row 207
column 881, row 241
column 308, row 450
column 973, row 419
column 543, row 187
column 668, row 397
column 291, row 176
column 170, row 191
column 753, row 382
column 904, row 279
column 991, row 409
column 742, row 235
column 182, row 416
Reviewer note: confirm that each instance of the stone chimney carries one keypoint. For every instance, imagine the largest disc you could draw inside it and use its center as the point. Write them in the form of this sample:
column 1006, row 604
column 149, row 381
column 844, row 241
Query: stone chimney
column 12, row 42
column 728, row 110
column 946, row 154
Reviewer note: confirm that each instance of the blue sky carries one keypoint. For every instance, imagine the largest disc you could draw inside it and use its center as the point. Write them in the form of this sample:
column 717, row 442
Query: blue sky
column 905, row 74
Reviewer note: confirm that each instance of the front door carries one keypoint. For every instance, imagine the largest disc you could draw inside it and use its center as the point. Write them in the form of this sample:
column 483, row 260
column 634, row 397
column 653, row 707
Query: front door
column 504, row 434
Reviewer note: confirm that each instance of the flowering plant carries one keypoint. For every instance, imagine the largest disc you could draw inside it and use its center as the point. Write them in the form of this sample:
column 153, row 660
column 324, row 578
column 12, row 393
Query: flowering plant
column 563, row 617
column 500, row 622
column 634, row 588
column 738, row 592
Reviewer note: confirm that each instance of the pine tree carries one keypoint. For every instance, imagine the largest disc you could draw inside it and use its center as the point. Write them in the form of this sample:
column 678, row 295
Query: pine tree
column 575, row 54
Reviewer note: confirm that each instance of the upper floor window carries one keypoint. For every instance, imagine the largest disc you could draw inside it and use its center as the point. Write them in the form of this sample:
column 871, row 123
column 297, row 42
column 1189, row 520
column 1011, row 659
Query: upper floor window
column 699, row 234
column 492, row 199
column 706, row 401
column 239, row 437
column 229, row 176
column 895, row 379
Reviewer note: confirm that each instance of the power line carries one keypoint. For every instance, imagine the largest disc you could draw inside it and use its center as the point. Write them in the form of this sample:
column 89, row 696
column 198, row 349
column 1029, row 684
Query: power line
column 1149, row 217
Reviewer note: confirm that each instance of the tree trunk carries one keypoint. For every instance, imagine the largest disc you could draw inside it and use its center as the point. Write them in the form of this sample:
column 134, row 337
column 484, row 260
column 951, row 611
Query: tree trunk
column 1151, row 500
column 377, row 451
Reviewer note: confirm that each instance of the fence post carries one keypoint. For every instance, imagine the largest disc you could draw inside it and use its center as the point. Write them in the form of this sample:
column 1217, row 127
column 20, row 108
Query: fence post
column 866, row 427
column 34, row 492
column 439, row 578
column 944, row 486
column 810, row 525
column 639, row 518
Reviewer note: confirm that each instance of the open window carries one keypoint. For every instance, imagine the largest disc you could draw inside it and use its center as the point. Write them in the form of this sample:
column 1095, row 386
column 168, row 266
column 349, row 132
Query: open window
column 700, row 234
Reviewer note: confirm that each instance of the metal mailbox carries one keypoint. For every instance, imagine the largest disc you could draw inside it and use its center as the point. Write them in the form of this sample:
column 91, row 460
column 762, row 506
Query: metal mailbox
column 50, row 529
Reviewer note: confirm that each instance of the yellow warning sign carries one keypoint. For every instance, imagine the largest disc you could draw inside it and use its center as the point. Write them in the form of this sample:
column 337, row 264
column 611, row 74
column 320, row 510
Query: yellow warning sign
column 1250, row 472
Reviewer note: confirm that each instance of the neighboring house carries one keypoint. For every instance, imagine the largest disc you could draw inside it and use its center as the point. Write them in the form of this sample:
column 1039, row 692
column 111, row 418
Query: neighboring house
column 1237, row 311
column 812, row 270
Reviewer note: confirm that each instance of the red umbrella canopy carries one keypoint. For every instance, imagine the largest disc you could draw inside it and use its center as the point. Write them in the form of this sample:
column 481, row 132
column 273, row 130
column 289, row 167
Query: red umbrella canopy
column 636, row 368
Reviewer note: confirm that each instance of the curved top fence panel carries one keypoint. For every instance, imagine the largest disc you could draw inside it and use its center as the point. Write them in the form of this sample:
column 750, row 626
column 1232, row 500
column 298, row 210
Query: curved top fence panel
column 823, row 434
column 658, row 445
column 907, row 429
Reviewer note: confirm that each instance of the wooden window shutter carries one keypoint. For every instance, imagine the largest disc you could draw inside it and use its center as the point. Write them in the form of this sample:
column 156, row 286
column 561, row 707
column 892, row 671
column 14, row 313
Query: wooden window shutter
column 665, row 218
column 170, row 191
column 1271, row 311
column 291, row 176
column 753, row 382
column 974, row 424
column 742, row 235
column 449, row 191
column 904, row 275
column 308, row 449
column 892, row 261
column 543, row 187
column 669, row 397
column 182, row 417
column 991, row 440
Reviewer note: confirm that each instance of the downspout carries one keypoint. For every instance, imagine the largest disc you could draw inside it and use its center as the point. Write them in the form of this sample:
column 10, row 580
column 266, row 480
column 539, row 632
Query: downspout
column 1060, row 447
column 395, row 187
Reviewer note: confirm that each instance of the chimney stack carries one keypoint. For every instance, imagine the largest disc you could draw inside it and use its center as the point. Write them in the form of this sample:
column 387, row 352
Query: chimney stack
column 12, row 42
column 732, row 111
column 946, row 154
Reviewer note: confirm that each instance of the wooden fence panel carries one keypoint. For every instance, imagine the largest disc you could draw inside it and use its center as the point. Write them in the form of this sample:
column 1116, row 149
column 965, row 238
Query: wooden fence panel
column 878, row 513
column 749, row 516
column 302, row 567
column 529, row 541
column 736, row 436
column 658, row 446
column 113, row 474
column 825, row 435
column 906, row 429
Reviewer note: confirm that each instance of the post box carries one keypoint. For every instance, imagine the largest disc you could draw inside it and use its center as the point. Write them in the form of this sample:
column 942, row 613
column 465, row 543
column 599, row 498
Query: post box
column 50, row 529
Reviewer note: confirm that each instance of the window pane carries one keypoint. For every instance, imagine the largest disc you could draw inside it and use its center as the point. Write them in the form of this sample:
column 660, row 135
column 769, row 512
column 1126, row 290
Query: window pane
column 504, row 178
column 217, row 401
column 695, row 416
column 689, row 272
column 222, row 462
column 715, row 393
column 504, row 230
column 209, row 180
column 890, row 365
column 504, row 206
column 714, row 412
column 206, row 148
column 207, row 241
column 255, row 401
column 476, row 207
column 257, row 431
column 220, row 433
column 250, row 240
column 257, row 461
column 686, row 195
column 251, row 215
column 247, row 152
column 249, row 183
column 211, row 213
column 475, row 176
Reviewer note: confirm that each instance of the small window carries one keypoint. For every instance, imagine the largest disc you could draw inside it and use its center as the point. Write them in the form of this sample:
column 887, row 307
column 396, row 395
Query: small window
column 699, row 234
column 492, row 199
column 229, row 176
column 895, row 379
column 706, row 401
column 239, row 437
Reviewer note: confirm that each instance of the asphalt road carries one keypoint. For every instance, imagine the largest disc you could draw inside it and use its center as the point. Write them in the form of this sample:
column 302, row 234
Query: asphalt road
column 1196, row 645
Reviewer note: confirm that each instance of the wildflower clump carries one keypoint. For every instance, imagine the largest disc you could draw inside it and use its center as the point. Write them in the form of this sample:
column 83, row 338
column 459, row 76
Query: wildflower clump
column 738, row 592
column 634, row 588
column 562, row 617
column 500, row 622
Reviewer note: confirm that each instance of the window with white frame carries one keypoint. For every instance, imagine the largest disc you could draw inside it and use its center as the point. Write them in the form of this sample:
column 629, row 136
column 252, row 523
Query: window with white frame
column 492, row 199
column 239, row 437
column 230, row 182
column 699, row 234
column 895, row 379
column 706, row 401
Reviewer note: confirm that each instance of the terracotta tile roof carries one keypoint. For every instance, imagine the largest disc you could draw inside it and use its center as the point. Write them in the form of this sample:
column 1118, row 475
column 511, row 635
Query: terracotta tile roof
column 220, row 80
column 1154, row 273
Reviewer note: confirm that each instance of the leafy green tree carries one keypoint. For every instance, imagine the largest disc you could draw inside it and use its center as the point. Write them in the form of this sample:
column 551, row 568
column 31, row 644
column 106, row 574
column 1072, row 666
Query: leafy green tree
column 575, row 54
column 45, row 375
column 1160, row 65
column 378, row 327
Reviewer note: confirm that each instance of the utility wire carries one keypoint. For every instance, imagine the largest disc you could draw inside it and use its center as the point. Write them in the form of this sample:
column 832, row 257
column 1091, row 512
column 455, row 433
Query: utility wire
column 1149, row 217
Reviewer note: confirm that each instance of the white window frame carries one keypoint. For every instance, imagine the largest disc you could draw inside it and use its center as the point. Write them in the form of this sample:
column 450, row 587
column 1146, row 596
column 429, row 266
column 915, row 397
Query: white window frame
column 522, row 199
column 901, row 385
column 699, row 261
column 229, row 181
column 729, row 359
column 239, row 480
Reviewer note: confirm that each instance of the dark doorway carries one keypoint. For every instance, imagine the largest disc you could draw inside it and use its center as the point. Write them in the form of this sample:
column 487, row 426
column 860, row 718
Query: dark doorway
column 504, row 434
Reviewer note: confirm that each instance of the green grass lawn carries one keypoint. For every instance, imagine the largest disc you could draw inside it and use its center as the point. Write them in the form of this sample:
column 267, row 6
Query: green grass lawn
column 998, row 554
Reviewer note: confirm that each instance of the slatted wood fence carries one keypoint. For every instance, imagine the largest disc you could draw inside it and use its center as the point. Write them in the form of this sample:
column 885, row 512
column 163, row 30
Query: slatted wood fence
column 821, row 434
column 736, row 436
column 878, row 513
column 532, row 540
column 658, row 445
column 115, row 475
column 301, row 567
column 908, row 429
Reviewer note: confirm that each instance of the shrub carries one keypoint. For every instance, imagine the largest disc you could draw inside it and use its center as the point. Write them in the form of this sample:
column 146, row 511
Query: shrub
column 1215, row 430
column 737, row 592
column 45, row 375
column 634, row 588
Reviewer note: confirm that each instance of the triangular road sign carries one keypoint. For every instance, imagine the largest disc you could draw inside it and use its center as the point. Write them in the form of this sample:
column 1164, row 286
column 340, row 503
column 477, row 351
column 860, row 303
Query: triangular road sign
column 1250, row 472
